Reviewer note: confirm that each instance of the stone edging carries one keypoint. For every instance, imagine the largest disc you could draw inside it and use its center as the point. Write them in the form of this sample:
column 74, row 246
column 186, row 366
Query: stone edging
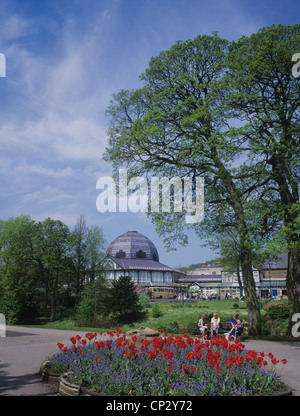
column 287, row 392
column 67, row 388
column 47, row 375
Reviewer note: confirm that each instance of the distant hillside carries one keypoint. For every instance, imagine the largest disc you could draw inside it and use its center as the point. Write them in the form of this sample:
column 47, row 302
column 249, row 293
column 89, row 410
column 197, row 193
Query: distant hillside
column 207, row 263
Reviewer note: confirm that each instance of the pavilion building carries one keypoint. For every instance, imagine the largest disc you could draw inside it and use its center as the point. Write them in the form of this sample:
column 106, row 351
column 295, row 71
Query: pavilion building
column 135, row 255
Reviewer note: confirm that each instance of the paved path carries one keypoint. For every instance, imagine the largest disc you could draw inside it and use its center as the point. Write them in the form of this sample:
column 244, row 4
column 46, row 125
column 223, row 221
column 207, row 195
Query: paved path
column 23, row 350
column 21, row 353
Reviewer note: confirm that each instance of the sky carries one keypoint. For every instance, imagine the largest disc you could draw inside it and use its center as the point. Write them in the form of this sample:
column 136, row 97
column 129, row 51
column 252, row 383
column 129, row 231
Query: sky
column 64, row 61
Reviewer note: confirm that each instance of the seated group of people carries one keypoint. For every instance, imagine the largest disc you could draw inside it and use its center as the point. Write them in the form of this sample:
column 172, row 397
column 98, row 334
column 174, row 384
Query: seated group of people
column 214, row 327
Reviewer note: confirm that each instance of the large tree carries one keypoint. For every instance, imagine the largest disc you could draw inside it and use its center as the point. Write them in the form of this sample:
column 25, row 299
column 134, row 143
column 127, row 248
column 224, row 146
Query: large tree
column 38, row 268
column 96, row 259
column 177, row 124
column 79, row 248
column 264, row 95
column 53, row 252
column 122, row 301
column 19, row 284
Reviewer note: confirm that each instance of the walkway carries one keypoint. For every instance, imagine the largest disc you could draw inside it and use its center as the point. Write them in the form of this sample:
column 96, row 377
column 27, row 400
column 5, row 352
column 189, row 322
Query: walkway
column 23, row 350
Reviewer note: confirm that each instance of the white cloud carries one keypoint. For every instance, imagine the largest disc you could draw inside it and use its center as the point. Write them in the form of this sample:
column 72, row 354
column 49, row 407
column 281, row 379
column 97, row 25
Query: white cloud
column 47, row 195
column 13, row 26
column 25, row 169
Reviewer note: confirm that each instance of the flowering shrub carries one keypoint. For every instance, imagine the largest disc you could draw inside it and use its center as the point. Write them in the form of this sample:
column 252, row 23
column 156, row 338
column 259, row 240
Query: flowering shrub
column 167, row 365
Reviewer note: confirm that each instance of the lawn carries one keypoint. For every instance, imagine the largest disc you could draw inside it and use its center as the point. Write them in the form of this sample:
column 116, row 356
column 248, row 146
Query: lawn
column 174, row 316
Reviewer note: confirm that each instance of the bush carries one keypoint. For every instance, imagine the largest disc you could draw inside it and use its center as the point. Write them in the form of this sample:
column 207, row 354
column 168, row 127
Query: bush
column 235, row 306
column 172, row 328
column 122, row 301
column 264, row 328
column 144, row 300
column 91, row 301
column 192, row 328
column 156, row 311
column 279, row 312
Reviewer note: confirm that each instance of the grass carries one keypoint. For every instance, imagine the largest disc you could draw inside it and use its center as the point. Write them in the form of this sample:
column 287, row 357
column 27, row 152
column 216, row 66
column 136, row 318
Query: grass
column 175, row 317
column 172, row 312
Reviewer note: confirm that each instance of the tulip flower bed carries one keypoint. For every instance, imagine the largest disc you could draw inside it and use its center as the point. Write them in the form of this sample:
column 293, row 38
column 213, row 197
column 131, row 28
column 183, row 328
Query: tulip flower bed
column 167, row 365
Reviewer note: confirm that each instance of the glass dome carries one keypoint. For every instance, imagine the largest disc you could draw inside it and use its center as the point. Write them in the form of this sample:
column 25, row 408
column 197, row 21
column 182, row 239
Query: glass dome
column 133, row 245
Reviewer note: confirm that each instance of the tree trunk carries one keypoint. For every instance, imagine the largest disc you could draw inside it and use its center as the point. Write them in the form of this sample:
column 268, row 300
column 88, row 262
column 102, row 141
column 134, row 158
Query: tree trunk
column 289, row 195
column 53, row 306
column 239, row 278
column 53, row 298
column 253, row 307
column 293, row 284
column 254, row 321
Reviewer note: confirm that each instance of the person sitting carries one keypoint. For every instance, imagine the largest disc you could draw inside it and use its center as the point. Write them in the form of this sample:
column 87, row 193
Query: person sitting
column 203, row 326
column 215, row 324
column 237, row 327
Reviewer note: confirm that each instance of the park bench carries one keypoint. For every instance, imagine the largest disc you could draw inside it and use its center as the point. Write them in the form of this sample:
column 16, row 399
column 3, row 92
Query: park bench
column 225, row 327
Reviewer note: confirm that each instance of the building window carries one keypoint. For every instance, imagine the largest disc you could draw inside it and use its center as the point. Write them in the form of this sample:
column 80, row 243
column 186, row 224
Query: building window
column 235, row 292
column 157, row 277
column 120, row 254
column 133, row 276
column 229, row 277
column 144, row 276
column 168, row 277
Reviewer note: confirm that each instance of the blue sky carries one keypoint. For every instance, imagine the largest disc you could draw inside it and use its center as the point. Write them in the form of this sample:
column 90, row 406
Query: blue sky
column 64, row 60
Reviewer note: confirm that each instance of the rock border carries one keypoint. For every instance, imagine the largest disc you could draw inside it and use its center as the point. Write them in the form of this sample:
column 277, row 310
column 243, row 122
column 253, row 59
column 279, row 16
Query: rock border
column 287, row 392
column 47, row 374
column 66, row 388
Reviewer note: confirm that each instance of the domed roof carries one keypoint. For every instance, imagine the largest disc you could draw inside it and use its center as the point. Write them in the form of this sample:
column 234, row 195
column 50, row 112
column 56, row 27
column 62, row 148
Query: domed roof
column 133, row 245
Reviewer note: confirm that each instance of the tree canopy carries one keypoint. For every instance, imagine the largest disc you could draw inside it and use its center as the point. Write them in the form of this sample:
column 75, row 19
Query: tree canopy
column 208, row 108
column 39, row 266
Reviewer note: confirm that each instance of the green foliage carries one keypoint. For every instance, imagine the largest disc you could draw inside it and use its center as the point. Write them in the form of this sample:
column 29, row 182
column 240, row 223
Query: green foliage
column 121, row 300
column 92, row 301
column 156, row 311
column 265, row 328
column 144, row 300
column 192, row 328
column 182, row 122
column 10, row 307
column 38, row 270
column 279, row 312
column 172, row 328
